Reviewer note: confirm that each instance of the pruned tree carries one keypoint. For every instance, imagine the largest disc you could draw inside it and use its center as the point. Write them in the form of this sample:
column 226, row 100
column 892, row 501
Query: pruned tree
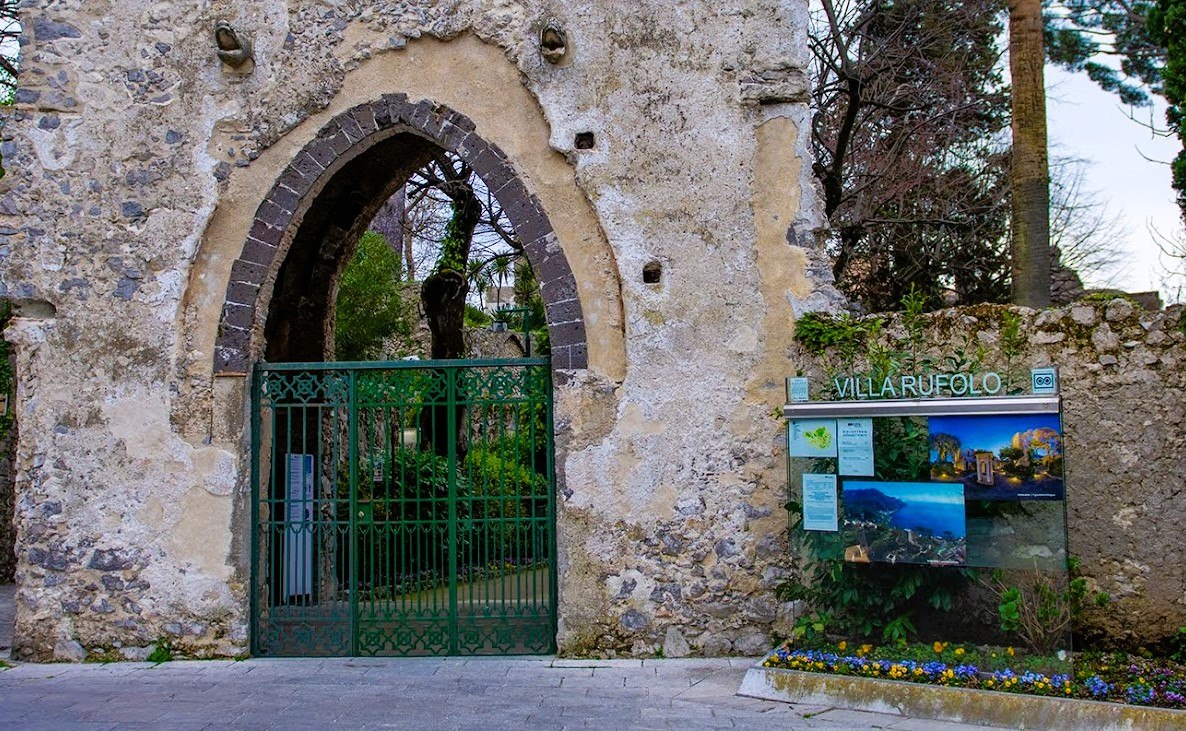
column 910, row 111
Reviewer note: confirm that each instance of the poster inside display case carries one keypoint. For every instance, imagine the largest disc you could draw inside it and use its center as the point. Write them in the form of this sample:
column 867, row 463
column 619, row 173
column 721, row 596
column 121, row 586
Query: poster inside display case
column 946, row 480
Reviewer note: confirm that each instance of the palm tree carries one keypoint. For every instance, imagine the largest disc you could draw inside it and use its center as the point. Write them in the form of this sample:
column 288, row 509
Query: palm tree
column 500, row 269
column 1030, row 172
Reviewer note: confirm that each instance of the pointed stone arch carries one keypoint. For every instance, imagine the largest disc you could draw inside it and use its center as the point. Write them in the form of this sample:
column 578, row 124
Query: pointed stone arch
column 323, row 196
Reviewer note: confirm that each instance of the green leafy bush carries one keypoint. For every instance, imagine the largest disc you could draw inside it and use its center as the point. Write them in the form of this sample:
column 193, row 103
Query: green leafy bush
column 820, row 332
column 370, row 310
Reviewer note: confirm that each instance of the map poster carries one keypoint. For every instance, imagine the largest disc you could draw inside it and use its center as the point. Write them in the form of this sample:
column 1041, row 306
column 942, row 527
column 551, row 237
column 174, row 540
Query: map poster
column 812, row 438
column 854, row 441
column 819, row 503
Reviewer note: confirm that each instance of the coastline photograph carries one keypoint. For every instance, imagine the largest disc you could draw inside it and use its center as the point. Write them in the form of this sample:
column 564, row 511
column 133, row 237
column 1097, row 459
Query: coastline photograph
column 1007, row 457
column 904, row 522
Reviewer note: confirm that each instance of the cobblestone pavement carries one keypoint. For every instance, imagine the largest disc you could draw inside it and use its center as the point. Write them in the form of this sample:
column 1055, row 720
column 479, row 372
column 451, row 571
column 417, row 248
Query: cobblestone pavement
column 7, row 615
column 505, row 693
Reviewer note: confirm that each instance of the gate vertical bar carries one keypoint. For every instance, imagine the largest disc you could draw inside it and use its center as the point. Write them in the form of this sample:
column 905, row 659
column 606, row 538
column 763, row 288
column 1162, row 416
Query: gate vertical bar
column 550, row 452
column 255, row 400
column 352, row 532
column 452, row 552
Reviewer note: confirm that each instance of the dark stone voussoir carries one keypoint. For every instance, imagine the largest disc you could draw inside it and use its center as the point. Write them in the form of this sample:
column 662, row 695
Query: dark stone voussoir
column 433, row 128
column 364, row 116
column 382, row 115
column 239, row 316
column 258, row 252
column 493, row 171
column 512, row 194
column 292, row 179
column 242, row 293
column 559, row 290
column 459, row 120
column 308, row 168
column 245, row 271
column 561, row 357
column 471, row 148
column 284, row 198
column 566, row 311
column 578, row 356
column 235, row 338
column 339, row 141
column 552, row 267
column 524, row 214
column 350, row 128
column 273, row 215
column 419, row 113
column 534, row 227
column 229, row 360
column 261, row 231
column 322, row 151
column 397, row 107
column 453, row 137
column 537, row 249
column 568, row 333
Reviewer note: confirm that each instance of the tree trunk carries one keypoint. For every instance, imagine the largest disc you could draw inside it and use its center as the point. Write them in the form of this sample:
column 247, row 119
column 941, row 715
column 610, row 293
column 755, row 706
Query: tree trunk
column 1030, row 174
column 443, row 295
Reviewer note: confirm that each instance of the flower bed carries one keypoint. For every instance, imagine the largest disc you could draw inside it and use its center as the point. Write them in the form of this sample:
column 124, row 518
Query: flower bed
column 1107, row 677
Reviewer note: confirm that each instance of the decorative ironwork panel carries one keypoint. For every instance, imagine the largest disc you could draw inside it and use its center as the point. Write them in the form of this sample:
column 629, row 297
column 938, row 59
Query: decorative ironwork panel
column 404, row 509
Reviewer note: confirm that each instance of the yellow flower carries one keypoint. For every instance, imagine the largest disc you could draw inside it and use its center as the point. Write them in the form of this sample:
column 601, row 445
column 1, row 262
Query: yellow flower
column 938, row 646
column 866, row 649
column 959, row 651
column 1010, row 651
column 842, row 645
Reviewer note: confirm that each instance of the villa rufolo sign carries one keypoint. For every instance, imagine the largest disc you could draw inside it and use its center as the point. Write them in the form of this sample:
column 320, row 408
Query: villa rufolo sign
column 930, row 385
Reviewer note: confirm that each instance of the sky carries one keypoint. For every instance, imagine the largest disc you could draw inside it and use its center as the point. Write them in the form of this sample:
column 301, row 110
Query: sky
column 1088, row 123
column 988, row 432
column 913, row 492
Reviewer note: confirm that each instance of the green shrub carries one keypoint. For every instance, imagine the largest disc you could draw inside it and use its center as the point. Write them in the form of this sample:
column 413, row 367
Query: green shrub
column 370, row 310
column 820, row 332
column 476, row 318
column 163, row 652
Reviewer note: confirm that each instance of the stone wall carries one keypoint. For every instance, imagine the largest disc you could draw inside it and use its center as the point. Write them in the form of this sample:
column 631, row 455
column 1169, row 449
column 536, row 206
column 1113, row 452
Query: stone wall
column 142, row 211
column 1123, row 380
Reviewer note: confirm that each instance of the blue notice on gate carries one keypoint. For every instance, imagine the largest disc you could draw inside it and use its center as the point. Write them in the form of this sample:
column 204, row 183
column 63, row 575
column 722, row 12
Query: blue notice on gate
column 298, row 534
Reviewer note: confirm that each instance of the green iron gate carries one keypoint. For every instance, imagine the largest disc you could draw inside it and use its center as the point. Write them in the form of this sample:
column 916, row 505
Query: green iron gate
column 403, row 508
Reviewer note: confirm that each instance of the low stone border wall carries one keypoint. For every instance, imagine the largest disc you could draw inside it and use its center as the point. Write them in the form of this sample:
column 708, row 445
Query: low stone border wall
column 960, row 705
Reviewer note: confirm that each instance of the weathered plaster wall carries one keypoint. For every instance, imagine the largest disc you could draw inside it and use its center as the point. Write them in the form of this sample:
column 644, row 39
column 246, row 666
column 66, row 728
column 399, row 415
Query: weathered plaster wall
column 136, row 162
column 1123, row 380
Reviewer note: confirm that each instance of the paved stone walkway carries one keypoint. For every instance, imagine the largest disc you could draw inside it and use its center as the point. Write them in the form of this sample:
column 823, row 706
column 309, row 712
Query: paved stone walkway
column 7, row 616
column 417, row 694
